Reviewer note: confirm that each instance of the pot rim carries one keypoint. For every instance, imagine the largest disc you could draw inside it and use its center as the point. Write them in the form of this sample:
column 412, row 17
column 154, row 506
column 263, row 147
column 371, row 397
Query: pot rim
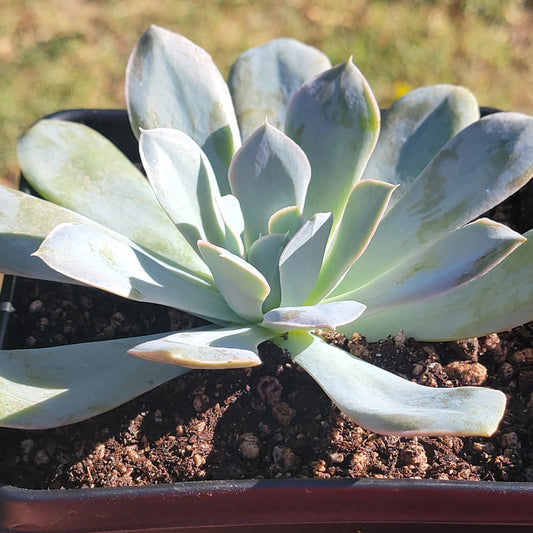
column 276, row 502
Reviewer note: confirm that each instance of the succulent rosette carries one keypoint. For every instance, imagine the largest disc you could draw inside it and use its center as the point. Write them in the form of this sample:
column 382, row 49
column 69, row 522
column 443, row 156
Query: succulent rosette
column 277, row 204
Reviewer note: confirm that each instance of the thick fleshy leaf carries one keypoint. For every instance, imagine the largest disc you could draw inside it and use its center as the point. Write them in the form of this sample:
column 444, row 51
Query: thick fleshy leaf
column 363, row 212
column 76, row 167
column 268, row 173
column 231, row 212
column 207, row 349
column 287, row 220
column 500, row 300
column 50, row 387
column 477, row 169
column 243, row 287
column 301, row 259
column 335, row 119
column 264, row 255
column 109, row 262
column 263, row 79
column 184, row 183
column 415, row 128
column 388, row 404
column 328, row 315
column 458, row 258
column 24, row 223
column 173, row 83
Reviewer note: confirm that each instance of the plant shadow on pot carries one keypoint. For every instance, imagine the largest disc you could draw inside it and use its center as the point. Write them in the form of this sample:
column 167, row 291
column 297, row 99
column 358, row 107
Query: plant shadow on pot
column 271, row 422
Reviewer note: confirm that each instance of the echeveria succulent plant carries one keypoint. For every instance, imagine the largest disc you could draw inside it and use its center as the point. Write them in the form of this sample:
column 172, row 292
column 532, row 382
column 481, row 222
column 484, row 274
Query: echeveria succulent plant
column 319, row 216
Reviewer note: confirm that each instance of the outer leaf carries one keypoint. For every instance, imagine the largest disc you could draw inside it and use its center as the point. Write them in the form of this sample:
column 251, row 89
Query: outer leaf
column 300, row 261
column 62, row 385
column 222, row 348
column 458, row 258
column 111, row 263
column 363, row 212
column 264, row 255
column 328, row 315
column 335, row 119
column 263, row 79
column 499, row 300
column 184, row 183
column 268, row 173
column 243, row 287
column 24, row 223
column 387, row 404
column 173, row 83
column 77, row 168
column 415, row 128
column 495, row 154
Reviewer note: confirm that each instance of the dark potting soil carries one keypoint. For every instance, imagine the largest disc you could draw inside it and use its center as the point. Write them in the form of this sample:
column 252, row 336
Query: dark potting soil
column 267, row 422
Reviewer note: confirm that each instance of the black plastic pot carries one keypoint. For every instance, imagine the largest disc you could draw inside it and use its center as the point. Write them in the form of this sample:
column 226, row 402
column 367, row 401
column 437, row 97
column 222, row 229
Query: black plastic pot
column 298, row 505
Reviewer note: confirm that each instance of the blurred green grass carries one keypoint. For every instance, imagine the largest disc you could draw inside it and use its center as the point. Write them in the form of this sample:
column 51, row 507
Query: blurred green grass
column 57, row 54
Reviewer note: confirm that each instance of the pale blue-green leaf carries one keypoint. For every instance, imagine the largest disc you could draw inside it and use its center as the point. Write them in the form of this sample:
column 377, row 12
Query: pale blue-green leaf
column 263, row 79
column 363, row 212
column 24, row 223
column 230, row 209
column 477, row 169
column 415, row 128
column 458, row 258
column 335, row 119
column 184, row 183
column 301, row 259
column 328, row 315
column 173, row 83
column 498, row 301
column 268, row 173
column 388, row 404
column 49, row 387
column 243, row 287
column 110, row 262
column 221, row 348
column 76, row 167
column 287, row 220
column 264, row 255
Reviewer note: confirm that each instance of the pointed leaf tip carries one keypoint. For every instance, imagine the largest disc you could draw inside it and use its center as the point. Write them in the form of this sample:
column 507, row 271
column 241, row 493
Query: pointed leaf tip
column 268, row 173
column 335, row 119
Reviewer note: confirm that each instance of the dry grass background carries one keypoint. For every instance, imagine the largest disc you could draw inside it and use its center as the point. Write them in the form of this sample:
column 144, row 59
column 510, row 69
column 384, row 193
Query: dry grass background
column 57, row 54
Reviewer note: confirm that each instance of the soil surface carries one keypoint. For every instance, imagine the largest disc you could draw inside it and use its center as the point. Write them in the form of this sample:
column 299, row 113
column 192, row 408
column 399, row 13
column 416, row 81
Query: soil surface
column 271, row 421
column 267, row 422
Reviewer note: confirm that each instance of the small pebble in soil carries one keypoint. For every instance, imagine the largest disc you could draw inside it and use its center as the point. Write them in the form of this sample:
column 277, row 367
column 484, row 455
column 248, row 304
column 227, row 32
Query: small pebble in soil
column 283, row 457
column 467, row 349
column 469, row 373
column 249, row 445
column 522, row 357
column 283, row 413
column 269, row 389
column 359, row 464
column 40, row 458
column 510, row 441
column 337, row 457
